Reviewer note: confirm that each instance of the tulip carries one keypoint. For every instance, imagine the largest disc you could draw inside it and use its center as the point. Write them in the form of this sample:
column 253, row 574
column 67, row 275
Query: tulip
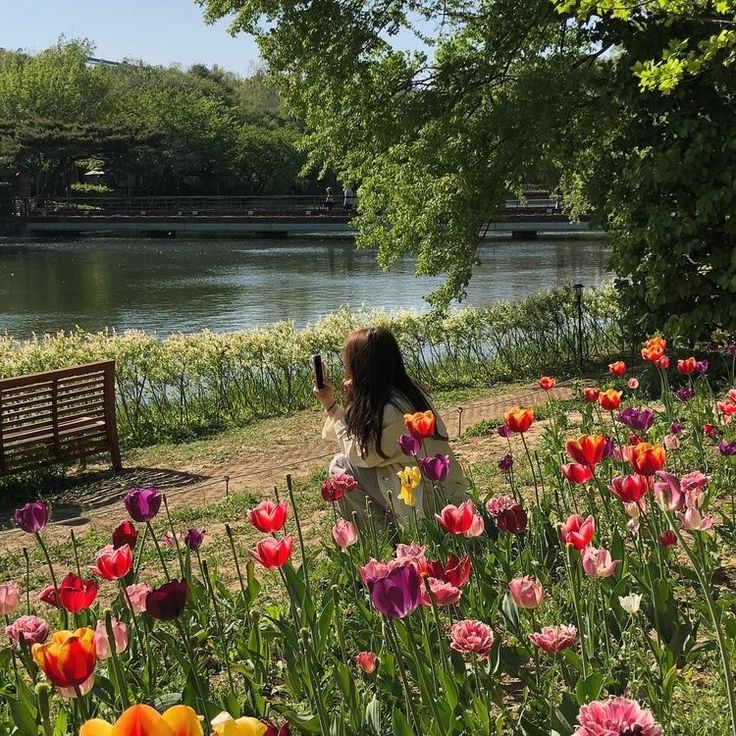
column 503, row 431
column 616, row 716
column 269, row 517
column 675, row 428
column 456, row 519
column 512, row 520
column 617, row 369
column 554, row 639
column 587, row 450
column 526, row 592
column 577, row 474
column 671, row 442
column 638, row 419
column 143, row 720
column 168, row 601
column 367, row 661
column 272, row 730
column 32, row 517
column 410, row 445
column 102, row 642
column 629, row 488
column 69, row 658
column 396, row 594
column 471, row 637
column 456, row 571
column 50, row 596
column 505, row 463
column 344, row 534
column 272, row 552
column 633, row 383
column 647, row 459
column 76, row 594
column 547, row 383
column 374, row 569
column 667, row 491
column 577, row 531
column 654, row 349
column 225, row 725
column 701, row 366
column 421, row 424
column 441, row 593
column 668, row 538
column 694, row 481
column 124, row 533
column 476, row 528
column 694, row 521
column 413, row 553
column 169, row 539
column 194, row 538
column 630, row 603
column 518, row 419
column 496, row 504
column 610, row 400
column 336, row 486
column 81, row 690
column 685, row 393
column 710, row 431
column 687, row 367
column 663, row 362
column 410, row 478
column 727, row 448
column 435, row 468
column 9, row 598
column 591, row 394
column 597, row 563
column 142, row 503
column 35, row 630
column 135, row 597
column 113, row 564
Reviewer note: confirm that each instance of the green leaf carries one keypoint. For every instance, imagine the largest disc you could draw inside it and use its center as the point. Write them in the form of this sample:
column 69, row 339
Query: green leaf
column 399, row 725
column 373, row 715
column 24, row 717
column 589, row 688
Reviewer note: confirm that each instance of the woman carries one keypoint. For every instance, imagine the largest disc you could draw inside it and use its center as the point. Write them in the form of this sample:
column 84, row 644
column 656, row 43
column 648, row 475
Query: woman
column 378, row 393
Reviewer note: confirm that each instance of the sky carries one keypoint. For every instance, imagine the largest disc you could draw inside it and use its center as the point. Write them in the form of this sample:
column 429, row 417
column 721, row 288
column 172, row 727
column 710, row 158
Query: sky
column 157, row 31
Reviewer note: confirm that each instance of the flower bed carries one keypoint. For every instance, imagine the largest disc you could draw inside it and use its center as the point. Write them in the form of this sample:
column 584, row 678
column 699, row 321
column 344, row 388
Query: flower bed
column 573, row 602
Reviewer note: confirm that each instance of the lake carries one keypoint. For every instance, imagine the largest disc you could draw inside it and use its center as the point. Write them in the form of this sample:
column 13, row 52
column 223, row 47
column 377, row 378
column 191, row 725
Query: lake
column 187, row 285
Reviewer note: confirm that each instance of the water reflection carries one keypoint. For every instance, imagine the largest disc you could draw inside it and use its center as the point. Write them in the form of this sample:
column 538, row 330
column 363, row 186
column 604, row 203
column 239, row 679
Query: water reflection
column 188, row 285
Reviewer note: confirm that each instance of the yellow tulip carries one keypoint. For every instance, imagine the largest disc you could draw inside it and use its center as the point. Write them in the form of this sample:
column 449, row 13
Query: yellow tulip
column 410, row 477
column 225, row 725
column 407, row 496
column 180, row 720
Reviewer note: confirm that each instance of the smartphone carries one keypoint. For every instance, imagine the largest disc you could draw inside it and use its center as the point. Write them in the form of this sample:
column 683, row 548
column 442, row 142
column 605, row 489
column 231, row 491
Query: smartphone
column 319, row 376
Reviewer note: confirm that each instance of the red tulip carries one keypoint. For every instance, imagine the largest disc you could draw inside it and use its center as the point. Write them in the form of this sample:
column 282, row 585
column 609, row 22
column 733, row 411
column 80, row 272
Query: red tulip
column 456, row 571
column 76, row 594
column 457, row 519
column 587, row 450
column 124, row 533
column 629, row 488
column 113, row 564
column 591, row 394
column 647, row 459
column 272, row 552
column 50, row 596
column 577, row 474
column 518, row 420
column 547, row 383
column 269, row 517
column 610, row 400
column 663, row 362
column 687, row 367
column 367, row 661
column 668, row 538
column 577, row 531
column 654, row 349
column 618, row 368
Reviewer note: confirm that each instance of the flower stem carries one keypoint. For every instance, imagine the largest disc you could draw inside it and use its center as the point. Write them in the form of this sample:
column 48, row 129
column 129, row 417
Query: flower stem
column 158, row 549
column 42, row 545
column 290, row 489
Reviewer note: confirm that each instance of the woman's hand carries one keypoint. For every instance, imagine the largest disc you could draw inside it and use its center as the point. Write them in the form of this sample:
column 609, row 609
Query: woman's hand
column 326, row 394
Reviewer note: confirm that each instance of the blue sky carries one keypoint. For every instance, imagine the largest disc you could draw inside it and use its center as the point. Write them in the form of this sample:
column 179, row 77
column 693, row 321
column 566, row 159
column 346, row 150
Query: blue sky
column 157, row 31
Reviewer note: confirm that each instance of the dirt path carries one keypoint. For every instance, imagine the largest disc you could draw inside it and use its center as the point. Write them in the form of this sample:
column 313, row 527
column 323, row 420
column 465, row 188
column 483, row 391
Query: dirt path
column 205, row 471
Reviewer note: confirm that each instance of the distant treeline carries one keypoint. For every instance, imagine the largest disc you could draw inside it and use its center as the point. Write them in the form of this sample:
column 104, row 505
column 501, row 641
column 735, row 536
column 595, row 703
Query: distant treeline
column 151, row 130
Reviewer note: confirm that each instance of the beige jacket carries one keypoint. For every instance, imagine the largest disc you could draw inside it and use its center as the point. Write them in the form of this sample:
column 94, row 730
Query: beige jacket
column 387, row 468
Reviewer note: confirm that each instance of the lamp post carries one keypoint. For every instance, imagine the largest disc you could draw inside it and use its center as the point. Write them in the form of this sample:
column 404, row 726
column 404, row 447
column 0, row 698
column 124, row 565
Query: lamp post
column 579, row 301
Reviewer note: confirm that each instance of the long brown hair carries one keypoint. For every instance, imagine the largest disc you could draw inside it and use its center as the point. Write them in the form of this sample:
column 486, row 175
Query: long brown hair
column 373, row 362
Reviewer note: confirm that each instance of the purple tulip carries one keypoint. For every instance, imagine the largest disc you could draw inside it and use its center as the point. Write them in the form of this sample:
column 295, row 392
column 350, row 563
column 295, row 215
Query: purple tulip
column 608, row 446
column 701, row 366
column 435, row 468
column 193, row 538
column 675, row 428
column 32, row 517
column 512, row 520
column 727, row 448
column 396, row 594
column 503, row 431
column 637, row 419
column 409, row 444
column 505, row 463
column 168, row 601
column 684, row 393
column 142, row 503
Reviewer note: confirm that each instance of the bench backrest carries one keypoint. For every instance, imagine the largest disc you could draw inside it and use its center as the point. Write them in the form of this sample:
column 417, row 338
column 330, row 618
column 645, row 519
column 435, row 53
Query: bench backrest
column 57, row 415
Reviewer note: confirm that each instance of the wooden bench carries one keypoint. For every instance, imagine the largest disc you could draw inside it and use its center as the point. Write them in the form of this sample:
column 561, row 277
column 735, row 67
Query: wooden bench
column 57, row 416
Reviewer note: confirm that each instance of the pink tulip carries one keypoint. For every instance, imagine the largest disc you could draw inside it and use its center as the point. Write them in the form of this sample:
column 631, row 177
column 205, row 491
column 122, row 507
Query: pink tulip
column 526, row 592
column 136, row 595
column 497, row 504
column 102, row 642
column 35, row 630
column 667, row 491
column 413, row 552
column 597, row 563
column 616, row 716
column 457, row 519
column 471, row 637
column 671, row 442
column 694, row 480
column 553, row 639
column 344, row 534
column 443, row 593
column 9, row 598
column 367, row 661
column 694, row 521
column 633, row 383
column 476, row 528
column 577, row 531
column 168, row 539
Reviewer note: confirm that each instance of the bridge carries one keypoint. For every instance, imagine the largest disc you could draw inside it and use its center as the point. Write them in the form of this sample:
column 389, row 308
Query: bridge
column 263, row 216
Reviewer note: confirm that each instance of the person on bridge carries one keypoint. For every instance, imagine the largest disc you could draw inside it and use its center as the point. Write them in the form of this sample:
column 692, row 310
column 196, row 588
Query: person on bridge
column 348, row 198
column 329, row 200
column 378, row 394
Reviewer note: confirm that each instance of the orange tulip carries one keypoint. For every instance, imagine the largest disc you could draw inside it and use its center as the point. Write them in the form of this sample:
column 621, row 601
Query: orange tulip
column 647, row 459
column 610, row 400
column 142, row 720
column 654, row 349
column 687, row 367
column 618, row 368
column 518, row 419
column 420, row 424
column 591, row 394
column 68, row 658
column 587, row 450
column 547, row 383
